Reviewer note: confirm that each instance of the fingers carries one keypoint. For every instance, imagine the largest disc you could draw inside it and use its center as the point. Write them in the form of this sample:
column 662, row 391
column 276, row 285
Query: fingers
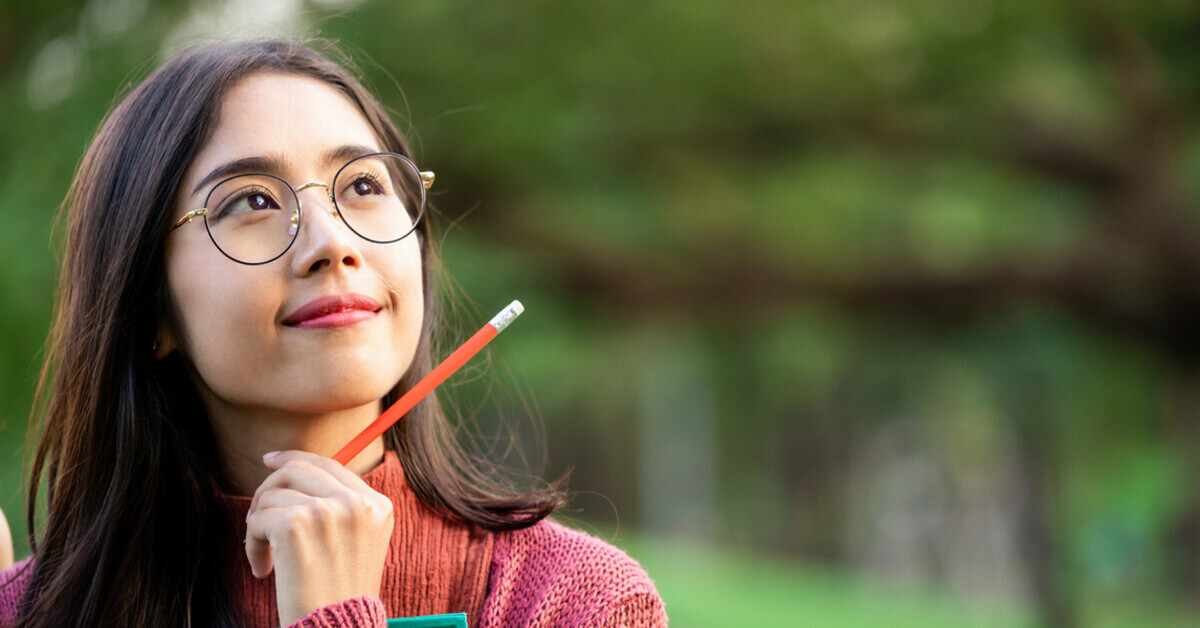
column 302, row 475
column 283, row 498
column 290, row 520
column 259, row 555
column 270, row 528
column 329, row 465
column 309, row 473
column 280, row 525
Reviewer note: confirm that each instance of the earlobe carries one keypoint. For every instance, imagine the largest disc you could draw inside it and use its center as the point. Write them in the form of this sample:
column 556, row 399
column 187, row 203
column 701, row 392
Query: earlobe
column 162, row 349
column 164, row 343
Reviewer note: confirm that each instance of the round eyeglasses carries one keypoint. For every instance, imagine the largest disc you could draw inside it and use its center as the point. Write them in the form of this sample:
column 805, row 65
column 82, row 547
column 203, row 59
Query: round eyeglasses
column 254, row 218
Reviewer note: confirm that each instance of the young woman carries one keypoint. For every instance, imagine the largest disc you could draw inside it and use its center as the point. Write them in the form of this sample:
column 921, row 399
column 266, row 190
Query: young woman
column 248, row 282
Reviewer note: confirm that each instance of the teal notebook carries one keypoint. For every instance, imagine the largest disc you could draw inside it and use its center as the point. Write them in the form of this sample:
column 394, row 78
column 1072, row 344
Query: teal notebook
column 452, row 620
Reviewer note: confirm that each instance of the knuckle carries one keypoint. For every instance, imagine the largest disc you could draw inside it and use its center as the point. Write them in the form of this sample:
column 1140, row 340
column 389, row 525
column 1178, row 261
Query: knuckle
column 294, row 466
column 318, row 463
column 354, row 506
column 375, row 508
column 298, row 519
column 323, row 512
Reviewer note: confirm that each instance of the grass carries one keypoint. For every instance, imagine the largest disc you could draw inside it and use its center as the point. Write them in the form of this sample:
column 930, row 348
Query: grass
column 704, row 586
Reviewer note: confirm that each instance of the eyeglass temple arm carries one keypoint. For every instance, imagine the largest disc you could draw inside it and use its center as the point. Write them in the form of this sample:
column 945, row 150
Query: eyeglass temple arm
column 195, row 213
column 427, row 178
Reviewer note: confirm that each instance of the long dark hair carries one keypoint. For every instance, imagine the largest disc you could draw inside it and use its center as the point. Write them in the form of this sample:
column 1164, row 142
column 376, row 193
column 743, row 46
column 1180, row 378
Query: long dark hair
column 135, row 532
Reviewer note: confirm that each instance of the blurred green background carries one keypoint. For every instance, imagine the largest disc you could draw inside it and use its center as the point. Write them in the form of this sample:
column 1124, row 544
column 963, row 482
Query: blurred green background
column 850, row 312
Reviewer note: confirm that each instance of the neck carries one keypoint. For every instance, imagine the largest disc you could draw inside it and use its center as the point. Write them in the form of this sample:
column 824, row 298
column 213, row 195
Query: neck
column 245, row 434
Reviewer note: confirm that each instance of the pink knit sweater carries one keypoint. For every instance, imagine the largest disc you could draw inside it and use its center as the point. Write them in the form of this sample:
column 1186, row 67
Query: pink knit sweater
column 544, row 575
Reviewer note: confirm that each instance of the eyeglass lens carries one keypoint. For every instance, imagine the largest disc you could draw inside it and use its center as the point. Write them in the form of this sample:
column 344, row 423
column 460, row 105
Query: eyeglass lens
column 254, row 218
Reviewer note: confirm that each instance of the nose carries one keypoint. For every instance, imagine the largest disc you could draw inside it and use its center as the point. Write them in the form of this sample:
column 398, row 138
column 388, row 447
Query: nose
column 323, row 241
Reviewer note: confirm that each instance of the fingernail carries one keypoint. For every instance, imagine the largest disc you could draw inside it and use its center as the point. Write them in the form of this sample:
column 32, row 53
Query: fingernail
column 270, row 454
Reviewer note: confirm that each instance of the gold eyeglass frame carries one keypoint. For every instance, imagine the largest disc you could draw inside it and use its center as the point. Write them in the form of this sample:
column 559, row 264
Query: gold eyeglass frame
column 427, row 177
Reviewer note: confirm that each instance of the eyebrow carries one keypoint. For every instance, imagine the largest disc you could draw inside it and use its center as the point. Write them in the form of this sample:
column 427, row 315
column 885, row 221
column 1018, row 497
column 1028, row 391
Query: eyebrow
column 274, row 164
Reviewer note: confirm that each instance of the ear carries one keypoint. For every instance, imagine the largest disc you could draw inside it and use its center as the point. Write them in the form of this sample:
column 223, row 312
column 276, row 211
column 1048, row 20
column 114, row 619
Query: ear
column 164, row 342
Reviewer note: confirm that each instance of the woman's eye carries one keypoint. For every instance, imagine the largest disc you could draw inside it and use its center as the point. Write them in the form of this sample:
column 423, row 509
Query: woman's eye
column 365, row 186
column 254, row 201
column 261, row 201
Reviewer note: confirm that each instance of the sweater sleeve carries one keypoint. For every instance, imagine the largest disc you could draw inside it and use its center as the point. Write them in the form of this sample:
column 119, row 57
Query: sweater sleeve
column 636, row 609
column 360, row 612
column 13, row 582
column 550, row 575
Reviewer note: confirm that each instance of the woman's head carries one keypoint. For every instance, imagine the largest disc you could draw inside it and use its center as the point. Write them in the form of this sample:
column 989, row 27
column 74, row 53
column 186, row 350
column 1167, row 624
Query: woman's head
column 231, row 319
column 210, row 106
column 127, row 445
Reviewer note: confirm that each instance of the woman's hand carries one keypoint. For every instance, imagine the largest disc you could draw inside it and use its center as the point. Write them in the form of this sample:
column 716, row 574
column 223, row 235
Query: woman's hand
column 321, row 528
column 6, row 548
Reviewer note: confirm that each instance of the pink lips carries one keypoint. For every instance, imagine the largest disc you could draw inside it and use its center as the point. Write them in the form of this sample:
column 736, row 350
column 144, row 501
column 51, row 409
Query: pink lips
column 333, row 311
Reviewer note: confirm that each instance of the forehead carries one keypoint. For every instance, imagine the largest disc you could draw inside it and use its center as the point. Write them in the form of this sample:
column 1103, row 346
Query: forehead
column 295, row 116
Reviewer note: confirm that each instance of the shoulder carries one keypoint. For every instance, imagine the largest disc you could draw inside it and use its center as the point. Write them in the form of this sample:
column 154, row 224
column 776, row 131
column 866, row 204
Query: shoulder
column 549, row 574
column 13, row 582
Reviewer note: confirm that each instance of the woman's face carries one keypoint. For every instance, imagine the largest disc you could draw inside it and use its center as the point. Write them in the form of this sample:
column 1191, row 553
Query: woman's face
column 231, row 315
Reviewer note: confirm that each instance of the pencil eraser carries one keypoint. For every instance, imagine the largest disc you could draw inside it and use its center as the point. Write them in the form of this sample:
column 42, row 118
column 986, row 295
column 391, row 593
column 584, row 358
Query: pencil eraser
column 507, row 315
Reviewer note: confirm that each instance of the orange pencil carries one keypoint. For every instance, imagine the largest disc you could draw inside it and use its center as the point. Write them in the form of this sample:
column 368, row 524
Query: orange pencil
column 430, row 381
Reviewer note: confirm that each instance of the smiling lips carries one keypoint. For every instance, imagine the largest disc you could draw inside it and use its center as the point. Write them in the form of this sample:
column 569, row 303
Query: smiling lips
column 334, row 311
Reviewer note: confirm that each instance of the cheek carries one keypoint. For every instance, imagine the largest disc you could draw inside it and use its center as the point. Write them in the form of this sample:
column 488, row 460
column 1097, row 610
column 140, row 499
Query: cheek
column 400, row 273
column 396, row 274
column 227, row 319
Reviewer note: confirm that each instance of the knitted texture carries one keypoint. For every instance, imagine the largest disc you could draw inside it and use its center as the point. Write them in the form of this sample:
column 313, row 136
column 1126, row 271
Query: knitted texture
column 550, row 575
column 13, row 582
column 544, row 575
column 359, row 612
